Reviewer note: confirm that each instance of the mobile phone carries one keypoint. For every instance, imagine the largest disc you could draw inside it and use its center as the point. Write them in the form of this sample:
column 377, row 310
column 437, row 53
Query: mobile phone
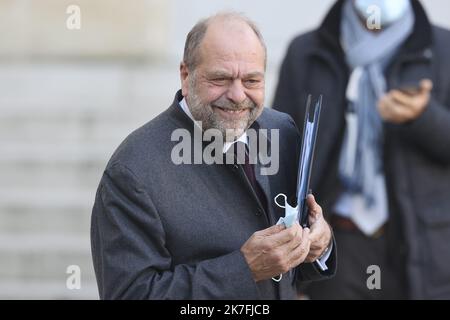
column 412, row 87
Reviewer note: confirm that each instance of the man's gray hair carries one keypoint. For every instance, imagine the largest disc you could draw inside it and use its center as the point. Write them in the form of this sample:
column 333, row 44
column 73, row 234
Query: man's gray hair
column 197, row 33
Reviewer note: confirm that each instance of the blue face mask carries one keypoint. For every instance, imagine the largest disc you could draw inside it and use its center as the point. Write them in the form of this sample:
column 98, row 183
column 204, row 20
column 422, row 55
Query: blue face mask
column 390, row 10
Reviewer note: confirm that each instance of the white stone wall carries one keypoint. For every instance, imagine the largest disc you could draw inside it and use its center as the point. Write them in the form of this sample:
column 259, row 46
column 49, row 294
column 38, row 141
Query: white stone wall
column 109, row 29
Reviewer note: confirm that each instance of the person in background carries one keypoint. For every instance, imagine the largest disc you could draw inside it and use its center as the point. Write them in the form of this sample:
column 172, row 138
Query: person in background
column 382, row 163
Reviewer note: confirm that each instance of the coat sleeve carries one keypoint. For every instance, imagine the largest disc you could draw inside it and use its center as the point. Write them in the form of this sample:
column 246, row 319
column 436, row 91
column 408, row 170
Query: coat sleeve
column 307, row 272
column 431, row 132
column 131, row 260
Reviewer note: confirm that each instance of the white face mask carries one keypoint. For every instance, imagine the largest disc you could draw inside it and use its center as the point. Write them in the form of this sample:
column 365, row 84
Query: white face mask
column 390, row 10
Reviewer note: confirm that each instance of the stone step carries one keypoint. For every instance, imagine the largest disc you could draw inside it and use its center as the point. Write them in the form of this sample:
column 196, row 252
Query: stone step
column 26, row 210
column 45, row 256
column 96, row 88
column 27, row 220
column 49, row 153
column 78, row 175
column 53, row 112
column 46, row 198
column 17, row 289
column 30, row 131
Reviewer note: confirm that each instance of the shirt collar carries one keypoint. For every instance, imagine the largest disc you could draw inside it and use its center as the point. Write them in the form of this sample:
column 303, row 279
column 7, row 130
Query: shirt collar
column 226, row 145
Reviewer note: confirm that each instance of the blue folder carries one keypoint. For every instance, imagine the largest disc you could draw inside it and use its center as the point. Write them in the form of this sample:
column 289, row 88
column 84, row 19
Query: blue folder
column 310, row 129
column 300, row 211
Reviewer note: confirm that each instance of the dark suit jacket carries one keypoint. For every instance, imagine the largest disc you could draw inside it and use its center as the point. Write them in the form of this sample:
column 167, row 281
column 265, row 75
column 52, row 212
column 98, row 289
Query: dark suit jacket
column 166, row 231
column 416, row 154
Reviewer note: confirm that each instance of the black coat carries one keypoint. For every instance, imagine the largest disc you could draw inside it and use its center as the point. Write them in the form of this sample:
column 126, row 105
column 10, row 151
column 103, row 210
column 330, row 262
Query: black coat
column 166, row 231
column 416, row 154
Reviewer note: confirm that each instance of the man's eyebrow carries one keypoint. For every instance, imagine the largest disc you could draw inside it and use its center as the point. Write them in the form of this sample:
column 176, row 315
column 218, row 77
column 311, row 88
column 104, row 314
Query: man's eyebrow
column 255, row 74
column 219, row 74
column 225, row 74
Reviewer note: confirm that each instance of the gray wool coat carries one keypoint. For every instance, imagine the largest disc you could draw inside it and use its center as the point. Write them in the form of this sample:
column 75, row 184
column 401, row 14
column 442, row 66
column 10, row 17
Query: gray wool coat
column 166, row 231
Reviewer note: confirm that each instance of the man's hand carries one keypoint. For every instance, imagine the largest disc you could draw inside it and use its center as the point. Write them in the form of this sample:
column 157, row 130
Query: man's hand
column 276, row 250
column 320, row 234
column 400, row 107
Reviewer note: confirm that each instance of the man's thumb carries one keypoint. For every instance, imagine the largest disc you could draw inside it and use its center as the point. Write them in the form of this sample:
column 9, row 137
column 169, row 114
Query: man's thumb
column 426, row 85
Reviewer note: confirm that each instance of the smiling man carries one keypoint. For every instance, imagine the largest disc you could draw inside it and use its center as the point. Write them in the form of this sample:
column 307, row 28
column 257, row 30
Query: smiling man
column 162, row 230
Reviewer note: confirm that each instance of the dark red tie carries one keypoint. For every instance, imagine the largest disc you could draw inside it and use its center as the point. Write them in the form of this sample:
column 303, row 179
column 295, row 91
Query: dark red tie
column 240, row 149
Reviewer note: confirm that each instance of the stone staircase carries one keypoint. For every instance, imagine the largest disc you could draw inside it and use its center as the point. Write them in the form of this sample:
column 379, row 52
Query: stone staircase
column 59, row 124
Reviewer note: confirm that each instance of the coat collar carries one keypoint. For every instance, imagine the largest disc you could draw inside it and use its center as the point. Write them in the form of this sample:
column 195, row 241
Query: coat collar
column 176, row 113
column 420, row 38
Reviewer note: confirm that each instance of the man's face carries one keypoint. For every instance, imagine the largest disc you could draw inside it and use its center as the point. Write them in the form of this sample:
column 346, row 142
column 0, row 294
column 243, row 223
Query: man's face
column 226, row 89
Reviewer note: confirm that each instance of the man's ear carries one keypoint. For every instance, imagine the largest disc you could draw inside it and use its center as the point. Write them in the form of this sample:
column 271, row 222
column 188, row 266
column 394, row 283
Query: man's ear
column 184, row 77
